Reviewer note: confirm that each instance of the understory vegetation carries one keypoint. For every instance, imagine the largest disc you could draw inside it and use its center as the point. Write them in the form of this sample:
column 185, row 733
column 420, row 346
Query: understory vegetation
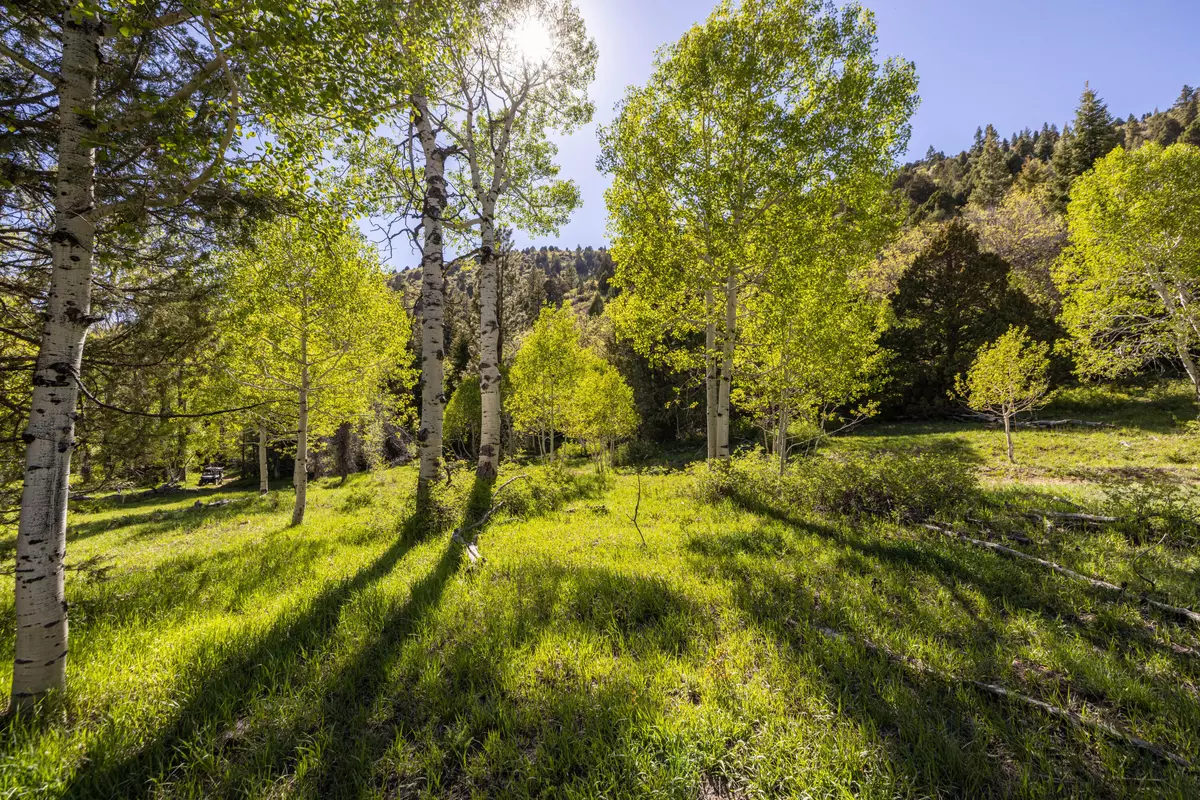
column 794, row 636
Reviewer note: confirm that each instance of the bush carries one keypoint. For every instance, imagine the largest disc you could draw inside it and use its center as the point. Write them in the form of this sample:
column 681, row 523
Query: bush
column 898, row 485
column 634, row 453
column 1151, row 510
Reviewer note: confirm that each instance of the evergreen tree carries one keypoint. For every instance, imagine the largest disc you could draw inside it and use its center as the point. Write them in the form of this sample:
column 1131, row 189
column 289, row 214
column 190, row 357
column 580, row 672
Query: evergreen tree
column 1134, row 135
column 1095, row 136
column 952, row 300
column 990, row 177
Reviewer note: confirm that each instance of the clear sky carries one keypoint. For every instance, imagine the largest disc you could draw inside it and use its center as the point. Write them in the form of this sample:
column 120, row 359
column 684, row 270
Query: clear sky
column 1014, row 64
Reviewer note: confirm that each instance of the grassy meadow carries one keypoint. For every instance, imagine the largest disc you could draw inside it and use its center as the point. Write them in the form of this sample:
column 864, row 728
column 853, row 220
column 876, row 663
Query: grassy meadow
column 754, row 647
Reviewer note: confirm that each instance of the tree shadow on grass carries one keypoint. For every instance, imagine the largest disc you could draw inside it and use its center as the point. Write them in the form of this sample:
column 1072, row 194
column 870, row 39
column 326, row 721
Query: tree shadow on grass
column 221, row 694
column 942, row 737
column 154, row 520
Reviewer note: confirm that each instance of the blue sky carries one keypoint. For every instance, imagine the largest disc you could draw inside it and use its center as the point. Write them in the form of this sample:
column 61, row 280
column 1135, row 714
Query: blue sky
column 1015, row 63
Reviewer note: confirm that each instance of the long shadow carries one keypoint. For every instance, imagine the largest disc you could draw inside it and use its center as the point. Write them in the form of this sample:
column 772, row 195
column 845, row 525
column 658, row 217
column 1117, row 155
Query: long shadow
column 221, row 694
column 156, row 520
column 941, row 735
column 1015, row 584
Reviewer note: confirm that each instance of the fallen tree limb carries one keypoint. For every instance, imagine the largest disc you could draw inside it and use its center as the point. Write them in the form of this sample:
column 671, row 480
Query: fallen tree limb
column 1186, row 613
column 1063, row 423
column 996, row 690
column 459, row 535
column 1067, row 518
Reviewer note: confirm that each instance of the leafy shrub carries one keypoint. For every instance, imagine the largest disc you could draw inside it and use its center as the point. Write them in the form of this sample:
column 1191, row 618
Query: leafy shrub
column 902, row 485
column 634, row 453
column 882, row 484
column 1150, row 510
column 545, row 490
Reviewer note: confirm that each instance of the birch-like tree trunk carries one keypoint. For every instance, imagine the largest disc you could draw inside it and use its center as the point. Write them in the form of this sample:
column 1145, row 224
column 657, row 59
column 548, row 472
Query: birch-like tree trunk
column 727, row 343
column 781, row 439
column 1008, row 438
column 711, row 382
column 489, row 346
column 300, row 473
column 1179, row 330
column 264, row 485
column 41, row 606
column 433, row 323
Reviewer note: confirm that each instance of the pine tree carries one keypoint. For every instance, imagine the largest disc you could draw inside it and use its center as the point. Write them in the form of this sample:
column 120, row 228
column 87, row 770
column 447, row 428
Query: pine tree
column 1095, row 136
column 990, row 177
column 1043, row 148
column 1134, row 134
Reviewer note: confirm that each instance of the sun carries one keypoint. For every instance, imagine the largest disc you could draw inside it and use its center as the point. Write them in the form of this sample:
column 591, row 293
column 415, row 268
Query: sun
column 532, row 41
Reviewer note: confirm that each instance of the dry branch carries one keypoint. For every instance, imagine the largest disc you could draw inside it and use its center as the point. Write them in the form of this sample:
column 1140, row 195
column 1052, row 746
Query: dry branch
column 1008, row 694
column 1186, row 613
column 637, row 506
column 459, row 535
column 1069, row 518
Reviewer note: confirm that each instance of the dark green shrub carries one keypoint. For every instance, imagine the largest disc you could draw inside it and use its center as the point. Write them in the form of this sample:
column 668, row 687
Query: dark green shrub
column 881, row 484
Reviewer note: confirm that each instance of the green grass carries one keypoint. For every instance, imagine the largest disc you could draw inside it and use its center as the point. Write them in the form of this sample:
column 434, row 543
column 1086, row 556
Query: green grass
column 226, row 654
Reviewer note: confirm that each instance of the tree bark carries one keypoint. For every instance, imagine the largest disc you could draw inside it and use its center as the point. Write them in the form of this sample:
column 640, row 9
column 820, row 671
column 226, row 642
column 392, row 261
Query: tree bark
column 41, row 606
column 489, row 348
column 300, row 472
column 727, row 343
column 344, row 455
column 1008, row 438
column 711, row 384
column 264, row 485
column 781, row 440
column 1179, row 331
column 433, row 299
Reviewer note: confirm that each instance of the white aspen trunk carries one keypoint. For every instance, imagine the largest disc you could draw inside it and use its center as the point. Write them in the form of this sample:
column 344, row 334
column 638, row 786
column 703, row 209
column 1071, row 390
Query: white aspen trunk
column 1008, row 438
column 433, row 325
column 711, row 384
column 300, row 473
column 264, row 485
column 489, row 348
column 1179, row 329
column 727, row 343
column 781, row 440
column 41, row 607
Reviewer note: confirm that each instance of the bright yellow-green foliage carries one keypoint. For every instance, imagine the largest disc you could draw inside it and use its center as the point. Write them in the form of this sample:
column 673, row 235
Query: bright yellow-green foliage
column 226, row 654
column 602, row 410
column 810, row 339
column 309, row 296
column 544, row 375
column 763, row 103
column 1132, row 271
column 463, row 410
column 1008, row 375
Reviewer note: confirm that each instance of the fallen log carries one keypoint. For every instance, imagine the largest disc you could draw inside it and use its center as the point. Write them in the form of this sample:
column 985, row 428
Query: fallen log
column 996, row 690
column 459, row 536
column 1186, row 613
column 1070, row 518
column 1063, row 423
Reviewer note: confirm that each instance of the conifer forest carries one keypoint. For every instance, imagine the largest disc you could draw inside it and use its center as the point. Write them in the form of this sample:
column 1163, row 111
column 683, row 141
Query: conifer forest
column 335, row 462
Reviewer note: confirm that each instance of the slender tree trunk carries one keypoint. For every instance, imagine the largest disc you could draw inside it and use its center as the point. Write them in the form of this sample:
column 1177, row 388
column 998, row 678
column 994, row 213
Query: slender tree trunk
column 727, row 343
column 1008, row 438
column 433, row 322
column 781, row 441
column 1179, row 331
column 41, row 607
column 264, row 485
column 711, row 383
column 489, row 348
column 300, row 472
column 343, row 451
